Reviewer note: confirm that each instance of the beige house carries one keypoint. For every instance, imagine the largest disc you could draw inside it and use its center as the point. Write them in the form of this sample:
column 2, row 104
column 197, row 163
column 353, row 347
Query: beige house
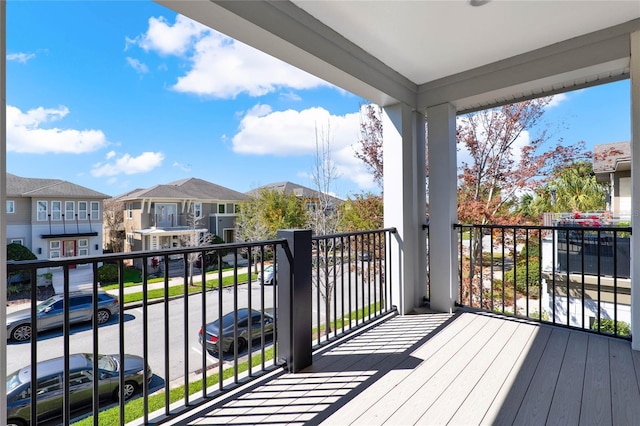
column 312, row 198
column 612, row 164
column 53, row 218
column 161, row 216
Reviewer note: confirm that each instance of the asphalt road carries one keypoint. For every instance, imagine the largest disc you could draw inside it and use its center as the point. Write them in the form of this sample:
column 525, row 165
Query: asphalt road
column 183, row 331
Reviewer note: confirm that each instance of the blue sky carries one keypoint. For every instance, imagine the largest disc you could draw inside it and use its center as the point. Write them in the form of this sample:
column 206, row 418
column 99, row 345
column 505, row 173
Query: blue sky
column 127, row 94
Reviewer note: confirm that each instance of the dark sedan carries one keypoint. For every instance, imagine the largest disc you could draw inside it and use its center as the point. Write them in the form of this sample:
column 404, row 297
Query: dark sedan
column 50, row 313
column 242, row 317
column 50, row 385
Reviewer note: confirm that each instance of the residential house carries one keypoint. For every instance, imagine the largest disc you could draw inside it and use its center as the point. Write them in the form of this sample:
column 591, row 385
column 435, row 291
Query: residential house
column 612, row 164
column 53, row 218
column 160, row 216
column 312, row 199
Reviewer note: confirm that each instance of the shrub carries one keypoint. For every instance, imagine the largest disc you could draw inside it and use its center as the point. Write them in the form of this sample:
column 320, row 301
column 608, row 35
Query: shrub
column 19, row 252
column 108, row 273
column 607, row 326
column 521, row 277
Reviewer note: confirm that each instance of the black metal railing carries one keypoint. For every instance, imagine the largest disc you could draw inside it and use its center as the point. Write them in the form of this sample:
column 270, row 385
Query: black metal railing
column 164, row 318
column 427, row 293
column 351, row 283
column 572, row 276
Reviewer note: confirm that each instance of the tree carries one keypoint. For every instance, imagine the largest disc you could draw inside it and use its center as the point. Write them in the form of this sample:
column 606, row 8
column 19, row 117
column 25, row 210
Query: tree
column 113, row 221
column 325, row 219
column 497, row 173
column 263, row 214
column 194, row 238
column 19, row 252
column 573, row 188
column 363, row 212
column 371, row 141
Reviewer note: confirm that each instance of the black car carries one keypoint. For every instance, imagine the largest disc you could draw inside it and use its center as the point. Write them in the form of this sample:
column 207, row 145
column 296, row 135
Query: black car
column 50, row 386
column 50, row 313
column 244, row 317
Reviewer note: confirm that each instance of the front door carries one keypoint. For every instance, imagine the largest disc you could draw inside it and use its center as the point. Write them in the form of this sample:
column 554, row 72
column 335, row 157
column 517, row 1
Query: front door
column 69, row 249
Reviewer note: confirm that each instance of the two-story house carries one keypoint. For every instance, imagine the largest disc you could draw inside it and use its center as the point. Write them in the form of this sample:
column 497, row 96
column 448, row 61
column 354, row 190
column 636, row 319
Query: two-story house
column 312, row 199
column 160, row 216
column 54, row 218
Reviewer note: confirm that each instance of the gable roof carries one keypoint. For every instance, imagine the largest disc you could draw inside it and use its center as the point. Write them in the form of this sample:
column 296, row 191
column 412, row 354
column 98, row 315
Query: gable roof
column 293, row 188
column 18, row 186
column 185, row 189
column 611, row 157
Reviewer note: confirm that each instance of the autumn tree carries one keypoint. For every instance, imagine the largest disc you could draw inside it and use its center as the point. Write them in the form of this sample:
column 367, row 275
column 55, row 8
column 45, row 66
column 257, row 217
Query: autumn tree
column 370, row 141
column 113, row 222
column 497, row 172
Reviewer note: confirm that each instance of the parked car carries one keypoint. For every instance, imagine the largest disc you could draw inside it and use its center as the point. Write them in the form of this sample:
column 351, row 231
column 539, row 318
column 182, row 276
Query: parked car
column 244, row 316
column 269, row 275
column 50, row 313
column 50, row 385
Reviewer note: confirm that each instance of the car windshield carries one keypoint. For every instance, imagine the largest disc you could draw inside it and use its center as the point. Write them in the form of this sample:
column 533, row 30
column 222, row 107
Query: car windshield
column 227, row 320
column 105, row 362
column 13, row 381
column 44, row 305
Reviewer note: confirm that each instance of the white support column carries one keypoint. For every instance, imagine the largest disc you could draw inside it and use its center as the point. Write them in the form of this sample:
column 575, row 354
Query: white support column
column 443, row 206
column 635, row 189
column 405, row 203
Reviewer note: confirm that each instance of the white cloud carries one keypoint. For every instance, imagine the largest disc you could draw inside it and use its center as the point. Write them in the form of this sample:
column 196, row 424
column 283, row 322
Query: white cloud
column 30, row 132
column 20, row 57
column 110, row 154
column 293, row 133
column 557, row 100
column 221, row 67
column 183, row 167
column 128, row 165
column 167, row 39
column 138, row 66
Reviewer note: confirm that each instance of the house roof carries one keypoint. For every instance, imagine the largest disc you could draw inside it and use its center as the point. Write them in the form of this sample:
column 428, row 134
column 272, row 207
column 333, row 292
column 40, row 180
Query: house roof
column 292, row 188
column 18, row 186
column 190, row 189
column 611, row 157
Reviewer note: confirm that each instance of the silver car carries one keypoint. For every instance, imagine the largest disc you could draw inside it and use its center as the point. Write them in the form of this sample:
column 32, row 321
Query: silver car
column 50, row 385
column 269, row 276
column 245, row 319
column 50, row 313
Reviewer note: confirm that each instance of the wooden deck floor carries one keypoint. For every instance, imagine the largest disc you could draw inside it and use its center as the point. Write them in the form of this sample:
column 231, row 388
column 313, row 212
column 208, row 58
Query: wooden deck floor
column 465, row 369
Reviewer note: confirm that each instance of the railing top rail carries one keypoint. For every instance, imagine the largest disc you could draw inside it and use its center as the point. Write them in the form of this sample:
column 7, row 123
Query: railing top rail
column 548, row 228
column 112, row 257
column 350, row 234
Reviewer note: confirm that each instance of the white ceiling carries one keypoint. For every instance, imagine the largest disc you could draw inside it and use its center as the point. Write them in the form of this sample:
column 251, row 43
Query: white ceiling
column 429, row 40
column 425, row 53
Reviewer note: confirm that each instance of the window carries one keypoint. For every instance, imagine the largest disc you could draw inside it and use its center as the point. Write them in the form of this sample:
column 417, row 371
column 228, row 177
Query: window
column 130, row 239
column 129, row 208
column 95, row 210
column 54, row 245
column 42, row 210
column 166, row 214
column 83, row 247
column 56, row 210
column 82, row 210
column 236, row 208
column 197, row 210
column 221, row 208
column 69, row 210
column 17, row 241
column 54, row 254
column 311, row 207
column 11, row 207
column 79, row 377
column 49, row 384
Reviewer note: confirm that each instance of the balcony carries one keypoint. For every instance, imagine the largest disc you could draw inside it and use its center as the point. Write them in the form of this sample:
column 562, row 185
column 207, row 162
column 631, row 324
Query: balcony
column 341, row 353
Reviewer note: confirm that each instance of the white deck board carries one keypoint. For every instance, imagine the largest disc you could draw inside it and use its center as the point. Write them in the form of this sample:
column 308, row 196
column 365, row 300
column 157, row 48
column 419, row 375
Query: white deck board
column 437, row 369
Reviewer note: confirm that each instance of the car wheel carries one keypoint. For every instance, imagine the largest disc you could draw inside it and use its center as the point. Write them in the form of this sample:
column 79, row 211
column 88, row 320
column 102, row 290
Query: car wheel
column 21, row 333
column 242, row 344
column 15, row 422
column 130, row 389
column 103, row 316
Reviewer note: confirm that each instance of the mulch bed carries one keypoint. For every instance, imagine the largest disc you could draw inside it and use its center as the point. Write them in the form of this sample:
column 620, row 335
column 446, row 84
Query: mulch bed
column 24, row 296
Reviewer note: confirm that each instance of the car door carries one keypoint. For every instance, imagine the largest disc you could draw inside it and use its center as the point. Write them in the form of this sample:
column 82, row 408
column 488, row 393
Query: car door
column 80, row 308
column 52, row 316
column 80, row 389
column 49, row 393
